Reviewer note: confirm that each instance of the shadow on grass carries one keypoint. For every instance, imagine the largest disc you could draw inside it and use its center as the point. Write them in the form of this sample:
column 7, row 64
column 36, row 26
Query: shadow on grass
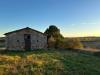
column 97, row 54
column 42, row 51
column 24, row 53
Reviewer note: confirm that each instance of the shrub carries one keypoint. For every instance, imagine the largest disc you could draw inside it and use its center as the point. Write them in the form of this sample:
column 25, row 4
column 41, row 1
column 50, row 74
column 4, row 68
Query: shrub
column 70, row 43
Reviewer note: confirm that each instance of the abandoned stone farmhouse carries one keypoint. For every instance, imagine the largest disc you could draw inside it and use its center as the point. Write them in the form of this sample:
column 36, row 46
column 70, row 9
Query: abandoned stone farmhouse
column 25, row 39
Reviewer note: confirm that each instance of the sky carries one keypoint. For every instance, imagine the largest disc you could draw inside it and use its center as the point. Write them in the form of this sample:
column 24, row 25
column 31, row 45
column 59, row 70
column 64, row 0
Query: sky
column 74, row 18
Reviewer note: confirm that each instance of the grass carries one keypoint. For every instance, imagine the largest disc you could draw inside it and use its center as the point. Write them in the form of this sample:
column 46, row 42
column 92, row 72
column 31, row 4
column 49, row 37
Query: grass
column 49, row 62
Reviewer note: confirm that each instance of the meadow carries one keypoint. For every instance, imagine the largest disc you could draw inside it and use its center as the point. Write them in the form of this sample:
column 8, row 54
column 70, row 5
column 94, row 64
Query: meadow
column 49, row 62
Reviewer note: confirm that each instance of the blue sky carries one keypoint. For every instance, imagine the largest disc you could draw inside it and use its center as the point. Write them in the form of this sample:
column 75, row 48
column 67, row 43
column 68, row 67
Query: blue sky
column 73, row 17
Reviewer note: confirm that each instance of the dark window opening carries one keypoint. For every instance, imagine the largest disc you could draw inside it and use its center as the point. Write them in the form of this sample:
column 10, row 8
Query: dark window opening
column 28, row 37
column 37, row 40
column 17, row 40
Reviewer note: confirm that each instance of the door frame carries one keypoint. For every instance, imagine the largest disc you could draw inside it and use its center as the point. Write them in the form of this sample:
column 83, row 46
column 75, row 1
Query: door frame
column 27, row 41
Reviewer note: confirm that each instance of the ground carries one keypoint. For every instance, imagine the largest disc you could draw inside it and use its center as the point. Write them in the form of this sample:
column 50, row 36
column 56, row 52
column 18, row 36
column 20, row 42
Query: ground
column 49, row 62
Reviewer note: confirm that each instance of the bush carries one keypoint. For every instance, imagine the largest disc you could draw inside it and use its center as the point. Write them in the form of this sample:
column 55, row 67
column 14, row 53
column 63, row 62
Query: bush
column 70, row 43
column 74, row 43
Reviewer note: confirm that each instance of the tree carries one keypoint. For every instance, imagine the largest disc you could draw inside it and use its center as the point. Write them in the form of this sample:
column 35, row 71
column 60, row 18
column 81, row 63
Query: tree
column 56, row 40
column 53, row 32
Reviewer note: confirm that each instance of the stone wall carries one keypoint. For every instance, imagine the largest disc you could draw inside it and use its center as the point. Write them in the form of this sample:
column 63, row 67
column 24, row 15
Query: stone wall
column 15, row 41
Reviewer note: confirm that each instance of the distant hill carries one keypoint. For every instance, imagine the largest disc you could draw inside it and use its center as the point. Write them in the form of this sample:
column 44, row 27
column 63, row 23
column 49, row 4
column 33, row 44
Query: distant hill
column 85, row 38
column 89, row 38
column 2, row 38
column 88, row 42
column 2, row 42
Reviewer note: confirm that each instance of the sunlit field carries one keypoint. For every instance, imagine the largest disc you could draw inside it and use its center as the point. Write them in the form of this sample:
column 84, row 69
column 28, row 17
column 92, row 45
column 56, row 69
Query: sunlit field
column 49, row 62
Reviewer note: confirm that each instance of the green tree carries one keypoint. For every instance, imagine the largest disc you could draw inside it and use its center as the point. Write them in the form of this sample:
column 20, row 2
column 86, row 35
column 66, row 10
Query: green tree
column 54, row 33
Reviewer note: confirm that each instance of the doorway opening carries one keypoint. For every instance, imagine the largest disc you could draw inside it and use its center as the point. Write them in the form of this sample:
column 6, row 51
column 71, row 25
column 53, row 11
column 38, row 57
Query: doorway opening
column 27, row 39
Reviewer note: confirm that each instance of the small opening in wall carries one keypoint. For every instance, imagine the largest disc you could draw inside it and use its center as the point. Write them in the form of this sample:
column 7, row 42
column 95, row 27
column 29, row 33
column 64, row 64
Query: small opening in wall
column 17, row 40
column 28, row 37
column 37, row 40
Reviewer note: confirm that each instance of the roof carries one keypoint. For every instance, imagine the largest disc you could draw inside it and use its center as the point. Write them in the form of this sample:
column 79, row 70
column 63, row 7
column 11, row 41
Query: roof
column 27, row 28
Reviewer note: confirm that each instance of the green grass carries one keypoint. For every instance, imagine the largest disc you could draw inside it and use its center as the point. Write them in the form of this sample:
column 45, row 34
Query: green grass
column 49, row 62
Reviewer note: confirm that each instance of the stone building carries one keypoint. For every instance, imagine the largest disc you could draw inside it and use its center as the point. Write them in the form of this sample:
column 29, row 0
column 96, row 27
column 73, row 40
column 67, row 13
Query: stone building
column 25, row 39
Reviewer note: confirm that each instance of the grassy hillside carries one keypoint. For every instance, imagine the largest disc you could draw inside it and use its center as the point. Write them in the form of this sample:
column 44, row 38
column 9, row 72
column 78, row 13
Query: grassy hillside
column 52, row 62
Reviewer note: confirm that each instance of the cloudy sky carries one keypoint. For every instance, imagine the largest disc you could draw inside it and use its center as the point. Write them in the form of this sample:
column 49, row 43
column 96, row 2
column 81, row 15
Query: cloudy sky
column 72, row 17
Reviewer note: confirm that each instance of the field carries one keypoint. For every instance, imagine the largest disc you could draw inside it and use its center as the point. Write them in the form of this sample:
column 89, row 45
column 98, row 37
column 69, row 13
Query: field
column 88, row 42
column 49, row 62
